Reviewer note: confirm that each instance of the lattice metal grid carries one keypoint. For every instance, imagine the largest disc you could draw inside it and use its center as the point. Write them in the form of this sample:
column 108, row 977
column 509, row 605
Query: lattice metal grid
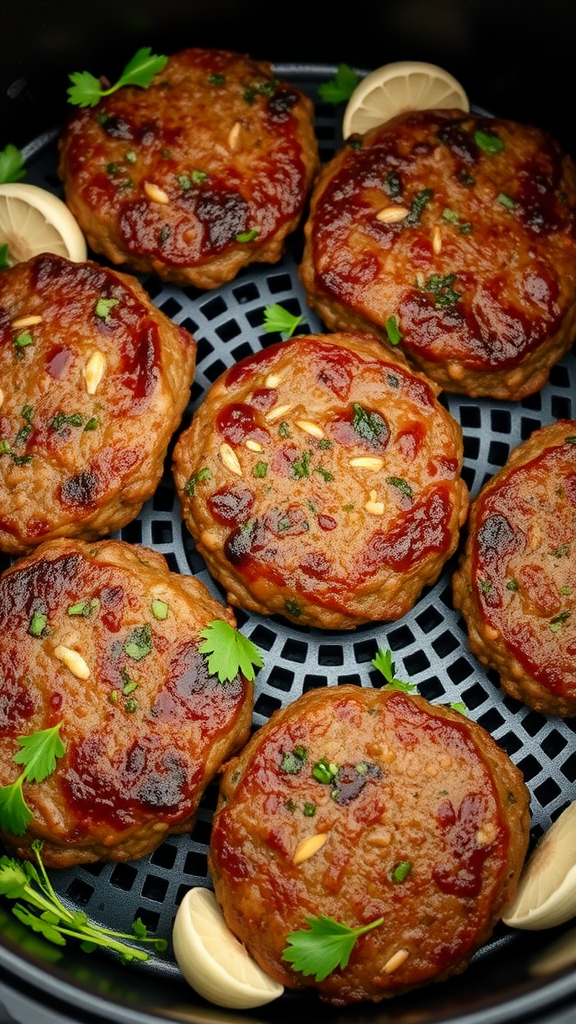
column 429, row 644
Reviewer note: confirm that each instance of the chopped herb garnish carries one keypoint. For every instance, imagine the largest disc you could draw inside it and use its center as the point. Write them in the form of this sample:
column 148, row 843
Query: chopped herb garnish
column 561, row 551
column 11, row 164
column 199, row 176
column 506, row 201
column 420, row 201
column 325, row 945
column 86, row 90
column 260, row 469
column 383, row 662
column 92, row 423
column 490, row 143
column 466, row 178
column 571, row 439
column 159, row 609
column 392, row 184
column 248, row 236
column 441, row 287
column 284, row 429
column 38, row 754
column 23, row 340
column 84, row 608
column 4, row 256
column 324, row 771
column 278, row 319
column 216, row 78
column 38, row 623
column 40, row 909
column 512, row 584
column 196, row 478
column 485, row 586
column 325, row 474
column 228, row 651
column 393, row 331
column 60, row 420
column 138, row 644
column 402, row 485
column 163, row 234
column 558, row 621
column 339, row 88
column 401, row 871
column 368, row 425
column 104, row 307
column 293, row 761
column 293, row 608
column 301, row 467
column 309, row 809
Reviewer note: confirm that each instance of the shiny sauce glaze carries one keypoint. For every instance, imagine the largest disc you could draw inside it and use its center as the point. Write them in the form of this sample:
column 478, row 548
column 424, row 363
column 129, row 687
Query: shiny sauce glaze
column 140, row 730
column 523, row 564
column 493, row 291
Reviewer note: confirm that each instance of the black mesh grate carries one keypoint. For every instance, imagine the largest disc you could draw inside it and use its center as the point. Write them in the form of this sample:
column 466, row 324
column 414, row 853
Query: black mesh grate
column 429, row 644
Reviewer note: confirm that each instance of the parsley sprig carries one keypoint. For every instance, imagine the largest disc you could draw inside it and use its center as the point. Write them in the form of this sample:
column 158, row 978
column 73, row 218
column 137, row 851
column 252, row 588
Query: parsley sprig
column 325, row 945
column 38, row 754
column 277, row 318
column 87, row 91
column 39, row 908
column 228, row 651
column 383, row 662
column 339, row 88
column 11, row 164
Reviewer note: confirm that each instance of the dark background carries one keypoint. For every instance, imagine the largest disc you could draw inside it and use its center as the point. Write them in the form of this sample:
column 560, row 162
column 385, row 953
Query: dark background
column 513, row 57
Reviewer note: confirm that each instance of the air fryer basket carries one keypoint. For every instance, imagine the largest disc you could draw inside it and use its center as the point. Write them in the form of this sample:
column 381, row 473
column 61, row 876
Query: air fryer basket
column 510, row 978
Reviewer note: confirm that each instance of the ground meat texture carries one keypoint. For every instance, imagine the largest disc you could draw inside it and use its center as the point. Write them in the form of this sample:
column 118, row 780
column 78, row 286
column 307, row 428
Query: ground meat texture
column 146, row 727
column 358, row 804
column 205, row 171
column 320, row 479
column 94, row 380
column 515, row 584
column 453, row 236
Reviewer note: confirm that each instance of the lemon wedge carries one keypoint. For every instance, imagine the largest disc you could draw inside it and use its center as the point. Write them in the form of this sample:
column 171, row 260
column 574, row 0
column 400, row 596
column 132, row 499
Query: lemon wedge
column 213, row 960
column 546, row 894
column 394, row 88
column 33, row 220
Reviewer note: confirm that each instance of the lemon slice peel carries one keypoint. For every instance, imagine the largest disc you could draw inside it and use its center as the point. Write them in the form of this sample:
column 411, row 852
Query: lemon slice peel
column 213, row 961
column 34, row 220
column 398, row 87
column 546, row 893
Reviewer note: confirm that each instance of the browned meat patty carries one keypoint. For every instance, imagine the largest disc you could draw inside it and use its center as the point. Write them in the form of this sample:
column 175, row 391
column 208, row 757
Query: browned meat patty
column 320, row 479
column 361, row 804
column 205, row 171
column 103, row 639
column 93, row 382
column 453, row 236
column 516, row 583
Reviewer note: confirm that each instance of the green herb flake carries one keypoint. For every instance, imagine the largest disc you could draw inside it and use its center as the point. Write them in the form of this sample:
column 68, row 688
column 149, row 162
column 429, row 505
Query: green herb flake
column 571, row 439
column 38, row 623
column 293, row 608
column 92, row 423
column 401, row 871
column 4, row 256
column 38, row 753
column 248, row 236
column 326, row 475
column 488, row 142
column 368, row 425
column 324, row 771
column 138, row 644
column 301, row 467
column 512, row 584
column 86, row 90
column 229, row 652
column 392, row 185
column 325, row 945
column 401, row 485
column 84, row 608
column 260, row 469
column 393, row 331
column 104, row 307
column 485, row 586
column 506, row 201
column 558, row 621
column 441, row 288
column 279, row 320
column 216, row 78
column 339, row 88
column 284, row 429
column 159, row 609
column 418, row 204
column 23, row 340
column 294, row 760
column 309, row 809
column 196, row 478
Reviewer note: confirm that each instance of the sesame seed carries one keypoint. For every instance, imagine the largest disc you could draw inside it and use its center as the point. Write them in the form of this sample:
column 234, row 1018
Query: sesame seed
column 436, row 240
column 310, row 428
column 486, row 834
column 392, row 214
column 254, row 446
column 73, row 661
column 273, row 380
column 373, row 506
column 371, row 462
column 93, row 371
column 155, row 193
column 26, row 321
column 308, row 847
column 234, row 135
column 277, row 412
column 230, row 459
column 396, row 961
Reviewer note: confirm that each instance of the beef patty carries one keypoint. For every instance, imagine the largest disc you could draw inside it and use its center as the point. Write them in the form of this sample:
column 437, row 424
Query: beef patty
column 515, row 584
column 102, row 640
column 94, row 380
column 451, row 235
column 360, row 804
column 205, row 171
column 320, row 479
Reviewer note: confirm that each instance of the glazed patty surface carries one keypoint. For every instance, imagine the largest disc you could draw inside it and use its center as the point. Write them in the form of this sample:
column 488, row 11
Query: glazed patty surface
column 320, row 479
column 103, row 639
column 203, row 172
column 358, row 804
column 515, row 584
column 94, row 379
column 453, row 236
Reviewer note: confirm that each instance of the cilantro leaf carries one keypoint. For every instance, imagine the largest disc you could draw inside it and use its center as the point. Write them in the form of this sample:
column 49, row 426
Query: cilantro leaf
column 38, row 754
column 324, row 946
column 40, row 909
column 11, row 164
column 276, row 318
column 341, row 86
column 383, row 662
column 86, row 90
column 228, row 651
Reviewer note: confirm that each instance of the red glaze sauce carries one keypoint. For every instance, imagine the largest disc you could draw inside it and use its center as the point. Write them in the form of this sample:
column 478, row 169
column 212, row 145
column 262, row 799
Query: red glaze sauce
column 231, row 506
column 420, row 530
column 237, row 423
